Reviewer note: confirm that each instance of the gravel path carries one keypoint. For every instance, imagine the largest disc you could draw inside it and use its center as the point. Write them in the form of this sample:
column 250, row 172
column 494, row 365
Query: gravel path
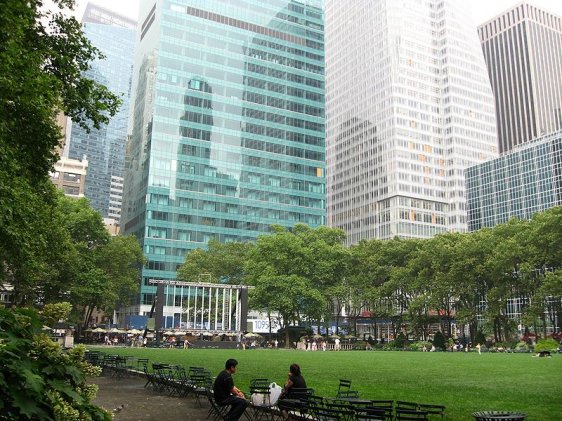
column 130, row 401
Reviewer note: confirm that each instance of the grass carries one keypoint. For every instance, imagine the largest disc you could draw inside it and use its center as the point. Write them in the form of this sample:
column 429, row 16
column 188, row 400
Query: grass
column 465, row 383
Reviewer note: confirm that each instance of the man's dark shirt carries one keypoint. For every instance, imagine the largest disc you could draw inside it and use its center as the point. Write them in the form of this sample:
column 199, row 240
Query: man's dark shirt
column 222, row 386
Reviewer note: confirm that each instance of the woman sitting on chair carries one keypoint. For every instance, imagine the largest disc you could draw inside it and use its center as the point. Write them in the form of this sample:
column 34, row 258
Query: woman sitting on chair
column 293, row 391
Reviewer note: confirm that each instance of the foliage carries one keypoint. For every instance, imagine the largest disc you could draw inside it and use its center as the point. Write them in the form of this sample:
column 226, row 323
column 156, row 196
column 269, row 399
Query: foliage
column 84, row 265
column 400, row 341
column 224, row 262
column 43, row 56
column 546, row 345
column 37, row 379
column 522, row 347
column 480, row 338
column 463, row 382
column 291, row 271
column 52, row 313
column 412, row 283
column 439, row 341
column 420, row 345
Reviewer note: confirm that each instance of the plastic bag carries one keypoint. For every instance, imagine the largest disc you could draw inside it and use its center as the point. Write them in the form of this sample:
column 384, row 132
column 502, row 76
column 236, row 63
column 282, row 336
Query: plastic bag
column 275, row 391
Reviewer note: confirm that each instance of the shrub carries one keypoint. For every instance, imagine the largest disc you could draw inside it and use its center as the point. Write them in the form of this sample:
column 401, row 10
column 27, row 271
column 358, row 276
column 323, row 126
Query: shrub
column 439, row 341
column 480, row 338
column 546, row 345
column 400, row 341
column 388, row 346
column 38, row 380
column 418, row 346
column 522, row 347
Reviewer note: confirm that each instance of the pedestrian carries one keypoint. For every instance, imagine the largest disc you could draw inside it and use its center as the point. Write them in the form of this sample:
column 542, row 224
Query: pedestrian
column 337, row 344
column 226, row 393
column 478, row 347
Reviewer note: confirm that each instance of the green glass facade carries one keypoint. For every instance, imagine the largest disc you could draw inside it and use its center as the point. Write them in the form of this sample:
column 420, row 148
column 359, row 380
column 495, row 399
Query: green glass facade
column 519, row 184
column 228, row 127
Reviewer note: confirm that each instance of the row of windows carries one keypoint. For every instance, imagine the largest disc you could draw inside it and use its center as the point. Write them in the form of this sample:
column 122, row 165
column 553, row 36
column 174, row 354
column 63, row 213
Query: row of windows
column 236, row 210
column 216, row 108
column 202, row 119
column 187, row 235
column 222, row 190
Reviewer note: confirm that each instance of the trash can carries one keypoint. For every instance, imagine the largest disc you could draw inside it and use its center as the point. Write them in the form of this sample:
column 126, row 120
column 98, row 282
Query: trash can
column 498, row 415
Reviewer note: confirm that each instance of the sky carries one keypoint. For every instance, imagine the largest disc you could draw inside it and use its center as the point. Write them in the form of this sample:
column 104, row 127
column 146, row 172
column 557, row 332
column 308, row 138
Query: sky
column 482, row 10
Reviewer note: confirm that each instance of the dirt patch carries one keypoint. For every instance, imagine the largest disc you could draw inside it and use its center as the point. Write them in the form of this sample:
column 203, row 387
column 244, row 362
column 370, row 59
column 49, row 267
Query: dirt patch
column 130, row 401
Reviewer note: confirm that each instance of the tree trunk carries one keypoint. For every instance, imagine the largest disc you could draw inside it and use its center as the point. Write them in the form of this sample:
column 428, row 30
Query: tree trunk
column 287, row 336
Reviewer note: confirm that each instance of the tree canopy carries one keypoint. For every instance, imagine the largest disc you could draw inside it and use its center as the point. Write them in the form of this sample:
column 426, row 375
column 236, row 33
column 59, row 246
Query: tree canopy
column 52, row 248
column 43, row 56
column 305, row 276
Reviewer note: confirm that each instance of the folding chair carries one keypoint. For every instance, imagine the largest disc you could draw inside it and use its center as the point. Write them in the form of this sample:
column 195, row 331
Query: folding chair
column 216, row 411
column 406, row 405
column 438, row 410
column 410, row 415
column 344, row 390
column 347, row 413
column 327, row 414
column 261, row 399
column 380, row 408
column 376, row 415
column 201, row 381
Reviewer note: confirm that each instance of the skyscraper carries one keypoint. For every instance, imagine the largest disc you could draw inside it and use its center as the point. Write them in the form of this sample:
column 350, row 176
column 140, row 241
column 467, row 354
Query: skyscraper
column 104, row 149
column 523, row 51
column 228, row 128
column 409, row 107
column 516, row 185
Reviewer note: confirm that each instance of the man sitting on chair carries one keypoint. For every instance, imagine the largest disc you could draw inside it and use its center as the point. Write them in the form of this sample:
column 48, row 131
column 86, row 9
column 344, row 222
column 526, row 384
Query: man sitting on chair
column 226, row 393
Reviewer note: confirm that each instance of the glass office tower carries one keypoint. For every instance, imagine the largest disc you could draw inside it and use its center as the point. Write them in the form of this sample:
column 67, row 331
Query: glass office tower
column 228, row 127
column 409, row 107
column 104, row 149
column 516, row 185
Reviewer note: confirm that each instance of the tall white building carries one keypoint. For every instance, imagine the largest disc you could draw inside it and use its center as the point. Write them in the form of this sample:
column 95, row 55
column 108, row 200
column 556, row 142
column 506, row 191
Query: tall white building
column 523, row 50
column 409, row 107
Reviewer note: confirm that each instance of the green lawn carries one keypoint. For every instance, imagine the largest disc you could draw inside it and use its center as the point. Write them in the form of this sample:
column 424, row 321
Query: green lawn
column 463, row 382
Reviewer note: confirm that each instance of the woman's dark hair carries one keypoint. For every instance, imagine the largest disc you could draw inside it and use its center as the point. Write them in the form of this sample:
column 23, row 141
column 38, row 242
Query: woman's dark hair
column 230, row 363
column 295, row 369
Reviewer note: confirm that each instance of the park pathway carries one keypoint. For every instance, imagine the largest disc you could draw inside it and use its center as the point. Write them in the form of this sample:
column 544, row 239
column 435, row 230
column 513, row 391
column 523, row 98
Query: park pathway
column 130, row 401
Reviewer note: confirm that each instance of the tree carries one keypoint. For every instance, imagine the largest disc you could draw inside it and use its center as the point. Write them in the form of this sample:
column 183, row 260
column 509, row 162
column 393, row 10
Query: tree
column 83, row 264
column 117, row 268
column 439, row 341
column 433, row 269
column 507, row 273
column 222, row 261
column 43, row 56
column 471, row 276
column 282, row 268
column 545, row 261
column 291, row 296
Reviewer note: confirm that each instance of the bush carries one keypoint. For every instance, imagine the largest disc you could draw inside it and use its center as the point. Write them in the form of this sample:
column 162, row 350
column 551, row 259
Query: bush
column 546, row 345
column 480, row 339
column 400, row 341
column 522, row 347
column 38, row 380
column 418, row 346
column 439, row 341
column 388, row 346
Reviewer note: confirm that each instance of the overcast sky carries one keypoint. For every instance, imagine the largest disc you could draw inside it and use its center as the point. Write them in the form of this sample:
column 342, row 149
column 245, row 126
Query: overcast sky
column 482, row 10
